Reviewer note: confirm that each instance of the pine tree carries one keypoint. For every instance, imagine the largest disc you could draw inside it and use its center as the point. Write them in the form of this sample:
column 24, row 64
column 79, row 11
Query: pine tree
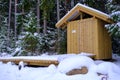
column 114, row 11
column 46, row 6
column 114, row 29
column 3, row 37
column 29, row 41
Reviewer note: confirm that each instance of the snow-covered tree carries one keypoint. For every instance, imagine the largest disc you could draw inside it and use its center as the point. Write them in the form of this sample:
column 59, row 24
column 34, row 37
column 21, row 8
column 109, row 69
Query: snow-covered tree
column 113, row 7
column 6, row 44
column 29, row 41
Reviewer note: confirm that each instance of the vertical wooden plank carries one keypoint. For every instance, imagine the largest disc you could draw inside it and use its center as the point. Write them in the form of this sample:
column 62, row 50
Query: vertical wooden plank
column 78, row 34
column 96, row 51
column 91, row 28
column 71, row 38
column 90, row 36
column 68, row 38
column 108, row 46
column 75, row 37
column 101, row 53
column 81, row 35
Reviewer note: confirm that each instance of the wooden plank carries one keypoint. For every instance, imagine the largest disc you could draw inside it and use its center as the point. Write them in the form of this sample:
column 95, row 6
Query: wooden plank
column 101, row 40
column 68, row 38
column 96, row 38
column 75, row 37
column 78, row 37
column 108, row 44
column 81, row 36
column 31, row 62
column 71, row 37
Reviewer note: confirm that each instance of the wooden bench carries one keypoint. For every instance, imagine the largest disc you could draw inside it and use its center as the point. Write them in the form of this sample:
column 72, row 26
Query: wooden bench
column 31, row 61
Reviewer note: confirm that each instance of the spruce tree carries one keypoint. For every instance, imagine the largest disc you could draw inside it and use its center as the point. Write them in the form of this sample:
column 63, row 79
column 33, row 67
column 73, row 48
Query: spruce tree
column 113, row 7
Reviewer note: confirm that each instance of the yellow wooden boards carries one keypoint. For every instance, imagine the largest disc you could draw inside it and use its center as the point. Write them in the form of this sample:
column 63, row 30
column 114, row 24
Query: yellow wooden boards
column 31, row 62
column 72, row 37
column 90, row 36
column 104, row 41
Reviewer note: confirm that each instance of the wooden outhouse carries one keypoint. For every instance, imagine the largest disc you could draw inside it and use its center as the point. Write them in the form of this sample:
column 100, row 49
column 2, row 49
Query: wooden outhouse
column 86, row 31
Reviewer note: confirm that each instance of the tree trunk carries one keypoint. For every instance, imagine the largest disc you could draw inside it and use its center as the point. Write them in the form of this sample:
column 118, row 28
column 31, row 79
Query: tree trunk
column 38, row 16
column 15, row 24
column 58, row 18
column 45, row 23
column 9, row 20
column 23, row 13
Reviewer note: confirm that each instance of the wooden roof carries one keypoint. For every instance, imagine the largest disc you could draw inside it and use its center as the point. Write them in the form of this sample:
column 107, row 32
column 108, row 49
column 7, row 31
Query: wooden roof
column 75, row 12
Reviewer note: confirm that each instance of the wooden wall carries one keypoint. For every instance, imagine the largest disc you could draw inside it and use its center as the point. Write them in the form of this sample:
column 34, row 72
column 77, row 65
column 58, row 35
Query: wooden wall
column 104, row 41
column 88, row 35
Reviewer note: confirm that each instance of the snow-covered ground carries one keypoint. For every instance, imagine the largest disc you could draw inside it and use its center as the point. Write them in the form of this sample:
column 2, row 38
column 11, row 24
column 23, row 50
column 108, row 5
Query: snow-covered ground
column 109, row 70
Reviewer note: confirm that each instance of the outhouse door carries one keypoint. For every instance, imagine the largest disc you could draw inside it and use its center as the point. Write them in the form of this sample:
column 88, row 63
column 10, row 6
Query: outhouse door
column 80, row 36
column 73, row 37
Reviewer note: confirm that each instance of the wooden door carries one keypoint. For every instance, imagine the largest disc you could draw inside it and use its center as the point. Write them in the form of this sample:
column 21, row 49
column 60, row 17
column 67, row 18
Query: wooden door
column 73, row 37
column 80, row 36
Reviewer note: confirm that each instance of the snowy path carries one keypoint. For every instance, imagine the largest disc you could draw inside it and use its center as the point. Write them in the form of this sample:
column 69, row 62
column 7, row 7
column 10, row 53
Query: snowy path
column 11, row 72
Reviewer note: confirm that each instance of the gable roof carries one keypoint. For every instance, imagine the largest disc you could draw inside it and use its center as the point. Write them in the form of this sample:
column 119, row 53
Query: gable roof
column 75, row 12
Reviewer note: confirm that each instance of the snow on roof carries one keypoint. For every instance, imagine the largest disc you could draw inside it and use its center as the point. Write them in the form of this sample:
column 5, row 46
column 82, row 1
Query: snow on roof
column 74, row 12
column 87, row 7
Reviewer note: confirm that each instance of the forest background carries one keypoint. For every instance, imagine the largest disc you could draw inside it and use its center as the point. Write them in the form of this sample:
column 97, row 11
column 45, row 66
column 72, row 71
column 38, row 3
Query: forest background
column 27, row 27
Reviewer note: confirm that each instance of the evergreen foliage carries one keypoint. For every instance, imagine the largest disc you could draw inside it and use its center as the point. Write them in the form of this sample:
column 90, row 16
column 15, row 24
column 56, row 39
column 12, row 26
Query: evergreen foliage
column 47, row 6
column 114, row 29
column 63, row 42
column 3, row 38
column 29, row 41
column 34, row 43
column 6, row 45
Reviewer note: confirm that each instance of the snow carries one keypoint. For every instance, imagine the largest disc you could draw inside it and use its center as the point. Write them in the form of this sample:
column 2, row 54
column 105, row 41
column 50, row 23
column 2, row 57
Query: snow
column 17, row 50
column 118, row 24
column 109, row 70
column 115, row 13
column 32, row 57
column 21, row 65
column 4, row 54
column 86, row 54
column 52, row 69
column 87, row 7
column 74, row 62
